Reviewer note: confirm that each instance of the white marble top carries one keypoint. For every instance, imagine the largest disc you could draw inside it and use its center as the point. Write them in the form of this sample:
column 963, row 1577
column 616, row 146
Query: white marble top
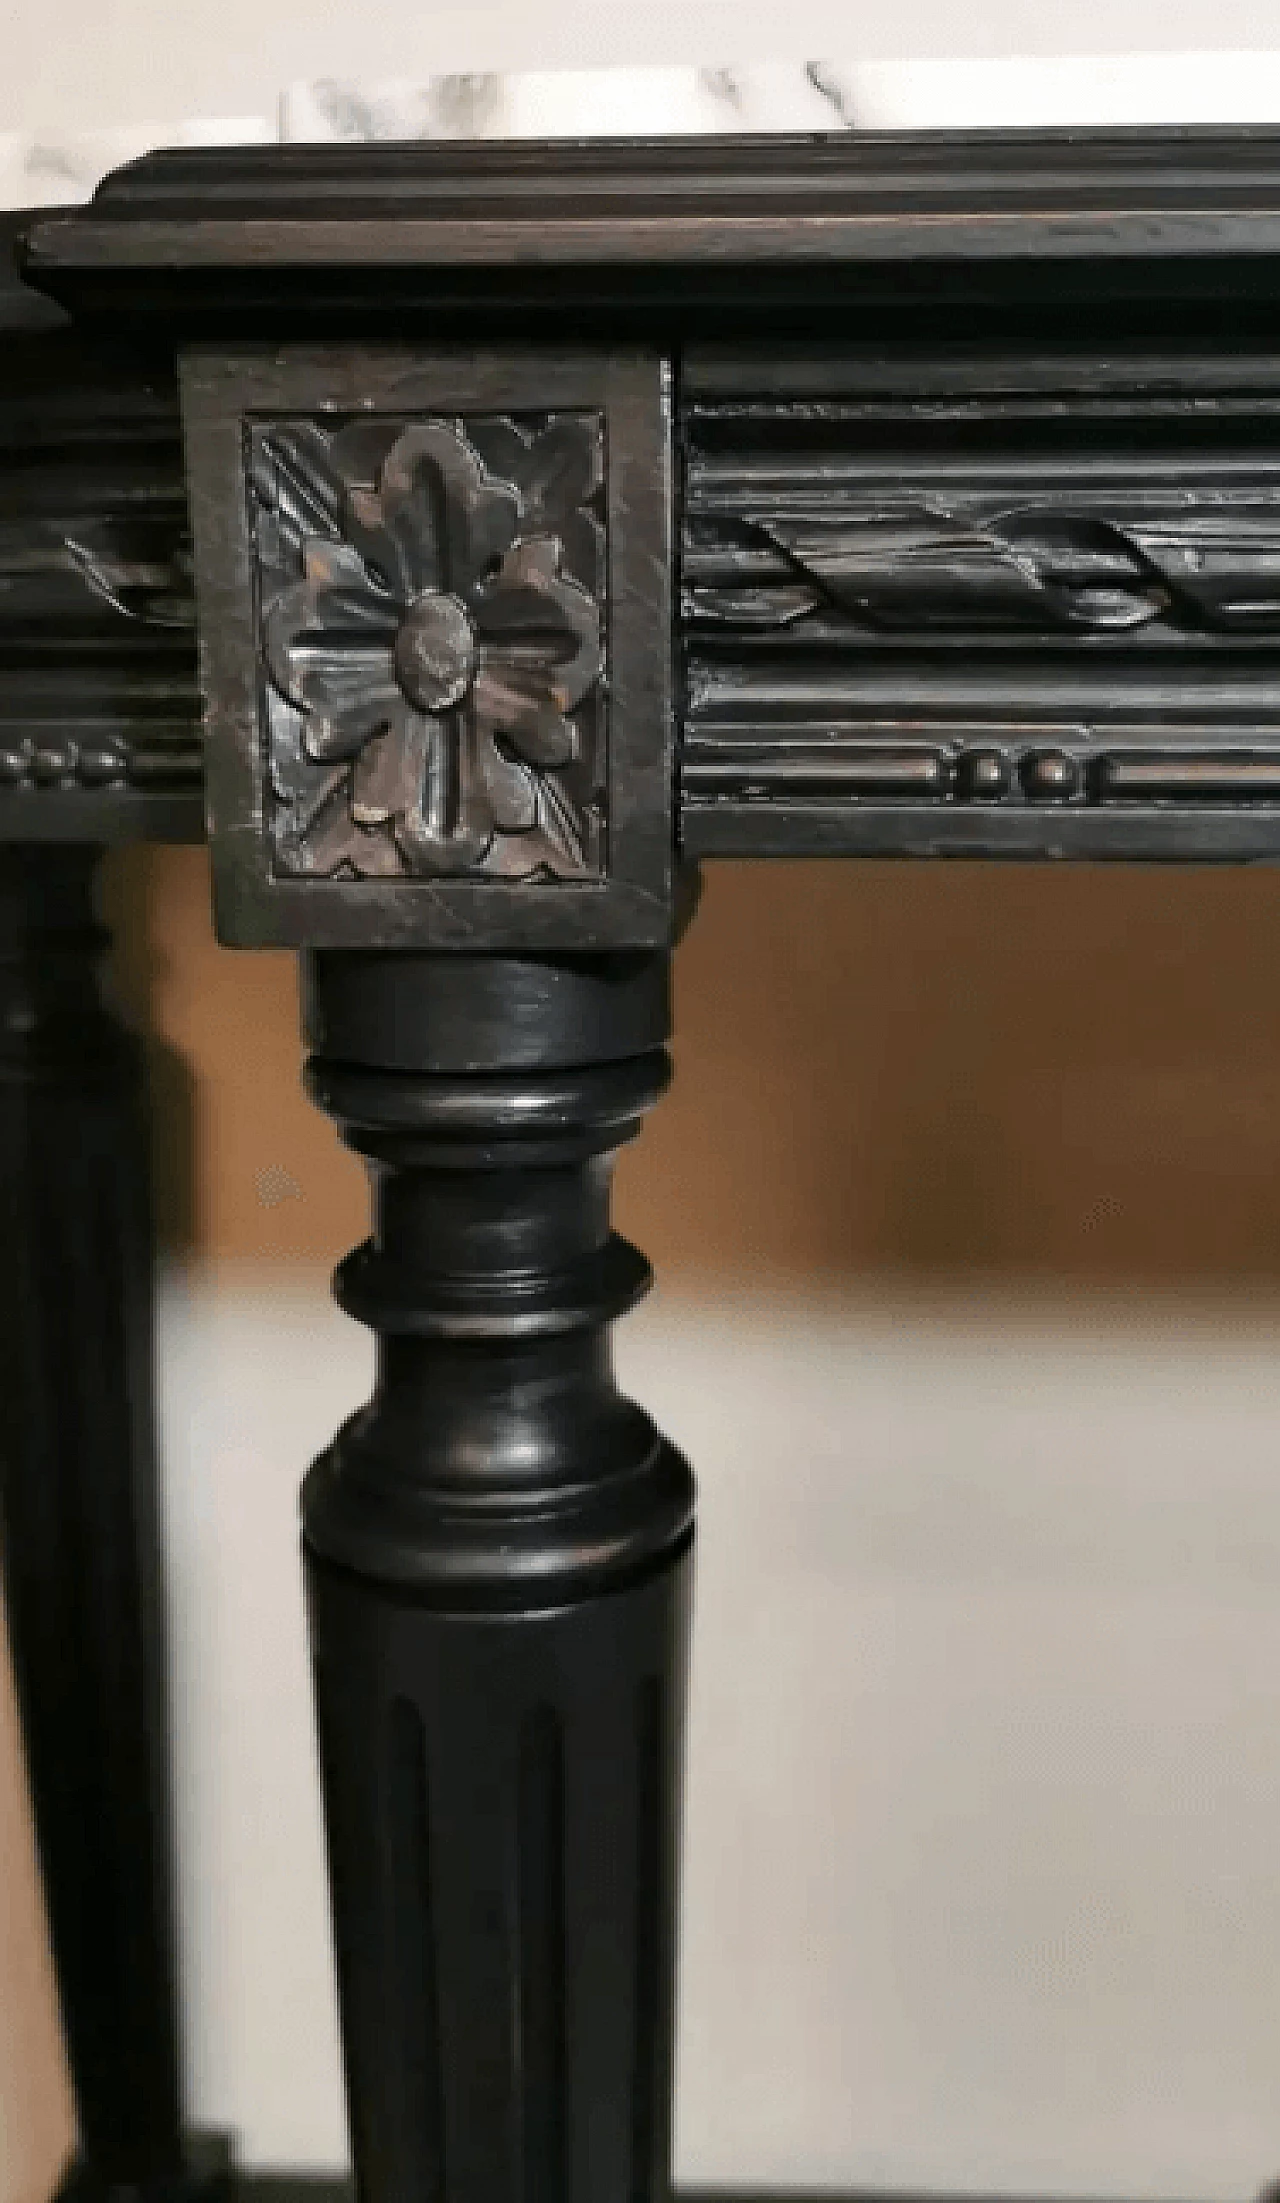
column 45, row 166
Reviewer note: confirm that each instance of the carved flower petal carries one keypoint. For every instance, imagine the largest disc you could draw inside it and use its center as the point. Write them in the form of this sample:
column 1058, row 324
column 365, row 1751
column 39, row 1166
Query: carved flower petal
column 335, row 605
column 521, row 702
column 510, row 788
column 533, row 607
column 348, row 698
column 387, row 777
column 447, row 518
column 286, row 619
column 449, row 825
column 298, row 782
column 395, row 557
column 347, row 597
column 503, row 447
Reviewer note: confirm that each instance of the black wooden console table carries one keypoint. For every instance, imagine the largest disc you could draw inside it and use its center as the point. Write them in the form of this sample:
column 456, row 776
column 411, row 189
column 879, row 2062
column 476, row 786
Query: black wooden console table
column 559, row 517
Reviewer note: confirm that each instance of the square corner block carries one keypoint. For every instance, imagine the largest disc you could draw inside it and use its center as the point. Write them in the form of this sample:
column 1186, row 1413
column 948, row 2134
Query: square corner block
column 434, row 594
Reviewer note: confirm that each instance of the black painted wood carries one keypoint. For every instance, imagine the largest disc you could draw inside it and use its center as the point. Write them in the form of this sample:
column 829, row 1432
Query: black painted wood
column 436, row 645
column 1007, row 604
column 498, row 1564
column 975, row 512
column 976, row 498
column 99, row 719
column 696, row 227
column 98, row 743
column 79, row 1498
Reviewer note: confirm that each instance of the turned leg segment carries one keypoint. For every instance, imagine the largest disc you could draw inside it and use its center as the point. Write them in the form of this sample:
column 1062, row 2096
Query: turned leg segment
column 502, row 1808
column 78, row 1490
column 498, row 1569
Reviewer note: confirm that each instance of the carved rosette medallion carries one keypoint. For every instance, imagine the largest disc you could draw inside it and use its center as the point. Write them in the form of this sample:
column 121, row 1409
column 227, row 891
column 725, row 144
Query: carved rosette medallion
column 431, row 645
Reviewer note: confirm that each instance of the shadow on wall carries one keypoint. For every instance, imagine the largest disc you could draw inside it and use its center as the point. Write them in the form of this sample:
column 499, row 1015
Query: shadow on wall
column 932, row 1072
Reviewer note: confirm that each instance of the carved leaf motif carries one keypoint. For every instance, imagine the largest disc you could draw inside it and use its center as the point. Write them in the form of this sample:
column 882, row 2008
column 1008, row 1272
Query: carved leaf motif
column 928, row 562
column 136, row 567
column 424, row 637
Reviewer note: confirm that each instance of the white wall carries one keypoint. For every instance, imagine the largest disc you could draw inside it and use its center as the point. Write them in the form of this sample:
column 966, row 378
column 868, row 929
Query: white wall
column 984, row 1802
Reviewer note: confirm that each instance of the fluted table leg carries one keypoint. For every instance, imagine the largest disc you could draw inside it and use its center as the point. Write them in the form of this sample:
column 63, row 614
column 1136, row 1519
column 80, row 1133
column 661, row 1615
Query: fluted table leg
column 78, row 1489
column 498, row 1565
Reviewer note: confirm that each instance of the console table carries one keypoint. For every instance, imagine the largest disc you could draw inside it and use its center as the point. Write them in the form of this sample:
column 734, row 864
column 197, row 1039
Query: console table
column 550, row 519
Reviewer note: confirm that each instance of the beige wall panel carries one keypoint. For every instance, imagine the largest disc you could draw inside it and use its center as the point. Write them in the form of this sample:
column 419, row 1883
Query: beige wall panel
column 1071, row 1075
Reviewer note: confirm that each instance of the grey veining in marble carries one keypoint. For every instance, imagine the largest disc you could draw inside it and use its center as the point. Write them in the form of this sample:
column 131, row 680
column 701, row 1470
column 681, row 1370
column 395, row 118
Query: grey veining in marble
column 810, row 95
column 48, row 165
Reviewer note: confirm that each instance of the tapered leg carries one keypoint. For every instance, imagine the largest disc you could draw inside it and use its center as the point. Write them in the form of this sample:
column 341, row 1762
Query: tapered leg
column 80, row 1534
column 498, row 1563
